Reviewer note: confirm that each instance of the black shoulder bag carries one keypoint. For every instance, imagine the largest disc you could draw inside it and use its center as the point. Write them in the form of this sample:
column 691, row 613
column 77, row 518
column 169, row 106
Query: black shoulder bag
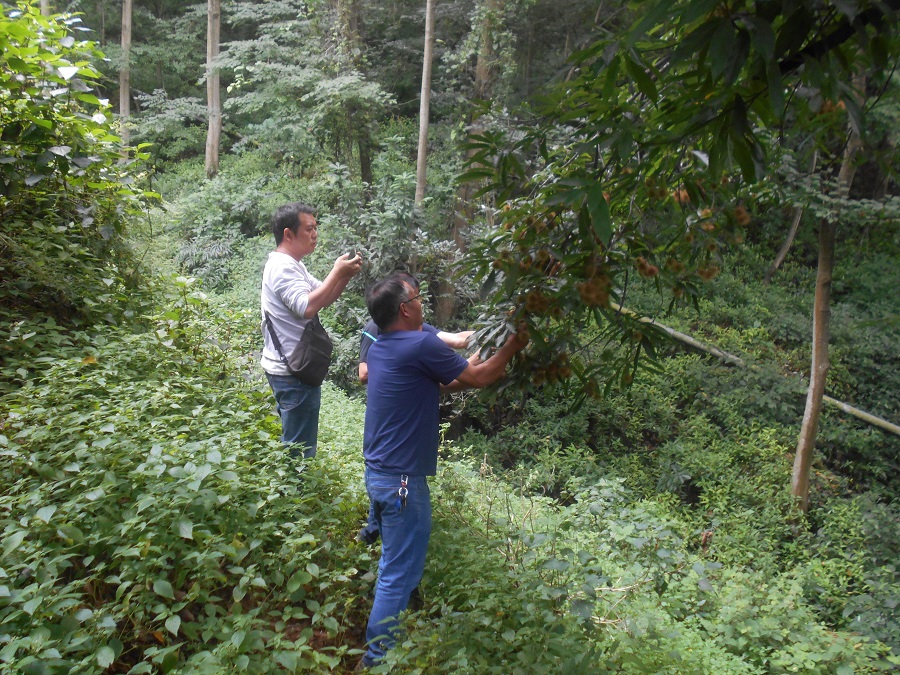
column 311, row 357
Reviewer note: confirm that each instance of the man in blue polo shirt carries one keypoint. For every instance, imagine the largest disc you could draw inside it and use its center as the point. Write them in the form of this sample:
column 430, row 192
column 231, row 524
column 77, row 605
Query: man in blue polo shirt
column 371, row 331
column 370, row 334
column 408, row 367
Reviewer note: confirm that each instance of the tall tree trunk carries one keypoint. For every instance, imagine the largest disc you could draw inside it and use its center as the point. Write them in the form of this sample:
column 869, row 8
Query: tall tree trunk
column 213, row 90
column 491, row 11
column 485, row 80
column 819, row 369
column 821, row 322
column 364, row 148
column 792, row 233
column 425, row 102
column 125, row 73
column 45, row 7
column 351, row 48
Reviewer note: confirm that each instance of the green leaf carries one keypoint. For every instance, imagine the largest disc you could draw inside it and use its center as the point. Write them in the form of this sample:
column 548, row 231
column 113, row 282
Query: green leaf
column 762, row 37
column 776, row 90
column 721, row 48
column 45, row 513
column 173, row 623
column 164, row 588
column 71, row 533
column 583, row 609
column 744, row 157
column 557, row 565
column 651, row 18
column 600, row 216
column 186, row 529
column 13, row 542
column 298, row 579
column 793, row 32
column 105, row 657
column 288, row 660
column 643, row 80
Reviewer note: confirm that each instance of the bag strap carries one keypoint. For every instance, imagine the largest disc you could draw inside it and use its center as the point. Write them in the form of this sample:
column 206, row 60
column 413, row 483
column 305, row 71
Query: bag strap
column 275, row 340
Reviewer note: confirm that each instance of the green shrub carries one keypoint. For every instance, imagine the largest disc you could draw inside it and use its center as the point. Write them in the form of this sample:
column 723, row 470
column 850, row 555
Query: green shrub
column 151, row 519
column 66, row 192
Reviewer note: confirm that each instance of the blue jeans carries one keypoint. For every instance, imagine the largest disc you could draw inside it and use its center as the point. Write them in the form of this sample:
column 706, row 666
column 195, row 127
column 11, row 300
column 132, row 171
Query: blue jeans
column 298, row 406
column 404, row 543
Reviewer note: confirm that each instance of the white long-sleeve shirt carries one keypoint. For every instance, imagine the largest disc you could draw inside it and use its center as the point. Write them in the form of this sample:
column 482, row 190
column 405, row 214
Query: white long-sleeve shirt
column 286, row 285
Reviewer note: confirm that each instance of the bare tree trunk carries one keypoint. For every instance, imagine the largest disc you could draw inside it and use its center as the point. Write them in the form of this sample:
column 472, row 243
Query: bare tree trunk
column 213, row 90
column 359, row 120
column 819, row 370
column 821, row 319
column 485, row 80
column 125, row 73
column 45, row 7
column 792, row 233
column 491, row 12
column 425, row 102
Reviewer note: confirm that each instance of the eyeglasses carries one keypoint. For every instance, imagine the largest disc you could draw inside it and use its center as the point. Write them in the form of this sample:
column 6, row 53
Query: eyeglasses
column 415, row 297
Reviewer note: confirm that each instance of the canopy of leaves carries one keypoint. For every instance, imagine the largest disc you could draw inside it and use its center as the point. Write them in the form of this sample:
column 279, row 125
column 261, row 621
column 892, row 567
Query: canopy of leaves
column 65, row 187
column 635, row 166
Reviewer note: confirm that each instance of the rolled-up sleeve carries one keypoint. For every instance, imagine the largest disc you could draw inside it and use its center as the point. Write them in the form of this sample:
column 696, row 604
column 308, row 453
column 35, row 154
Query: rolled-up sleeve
column 292, row 288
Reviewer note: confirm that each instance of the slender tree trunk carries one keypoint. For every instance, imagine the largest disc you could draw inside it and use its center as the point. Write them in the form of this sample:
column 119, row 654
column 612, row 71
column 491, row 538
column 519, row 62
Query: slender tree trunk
column 491, row 13
column 792, row 233
column 45, row 7
column 213, row 90
column 125, row 72
column 821, row 322
column 359, row 120
column 819, row 370
column 425, row 102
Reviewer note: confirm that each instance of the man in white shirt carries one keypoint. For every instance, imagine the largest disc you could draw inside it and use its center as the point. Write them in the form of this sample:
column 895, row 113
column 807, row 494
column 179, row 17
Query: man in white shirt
column 292, row 296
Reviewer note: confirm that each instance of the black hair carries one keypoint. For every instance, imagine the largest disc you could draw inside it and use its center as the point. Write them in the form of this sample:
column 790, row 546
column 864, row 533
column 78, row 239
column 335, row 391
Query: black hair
column 384, row 298
column 408, row 278
column 288, row 216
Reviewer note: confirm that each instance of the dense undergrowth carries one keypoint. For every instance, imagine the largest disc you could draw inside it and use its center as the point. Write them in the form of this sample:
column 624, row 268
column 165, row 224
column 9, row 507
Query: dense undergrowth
column 152, row 523
column 150, row 520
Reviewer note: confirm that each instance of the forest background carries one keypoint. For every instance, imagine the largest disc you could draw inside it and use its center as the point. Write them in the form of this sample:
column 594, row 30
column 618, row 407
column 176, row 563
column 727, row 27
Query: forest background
column 595, row 170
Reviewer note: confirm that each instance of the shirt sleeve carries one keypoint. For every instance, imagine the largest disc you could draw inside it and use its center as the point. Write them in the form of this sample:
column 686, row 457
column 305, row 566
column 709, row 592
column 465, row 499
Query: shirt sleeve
column 439, row 361
column 369, row 336
column 293, row 286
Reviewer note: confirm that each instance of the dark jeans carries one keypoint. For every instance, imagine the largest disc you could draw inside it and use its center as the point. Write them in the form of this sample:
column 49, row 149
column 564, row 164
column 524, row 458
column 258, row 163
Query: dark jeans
column 298, row 406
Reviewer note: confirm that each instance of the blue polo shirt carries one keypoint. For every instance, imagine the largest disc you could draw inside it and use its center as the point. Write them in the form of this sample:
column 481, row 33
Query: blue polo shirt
column 406, row 369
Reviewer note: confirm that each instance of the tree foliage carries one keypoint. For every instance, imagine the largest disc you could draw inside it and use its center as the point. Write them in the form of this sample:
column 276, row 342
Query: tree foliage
column 66, row 192
column 149, row 518
column 642, row 164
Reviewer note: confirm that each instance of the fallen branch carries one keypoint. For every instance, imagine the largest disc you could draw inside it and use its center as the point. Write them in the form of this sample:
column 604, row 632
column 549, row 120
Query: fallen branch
column 737, row 361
